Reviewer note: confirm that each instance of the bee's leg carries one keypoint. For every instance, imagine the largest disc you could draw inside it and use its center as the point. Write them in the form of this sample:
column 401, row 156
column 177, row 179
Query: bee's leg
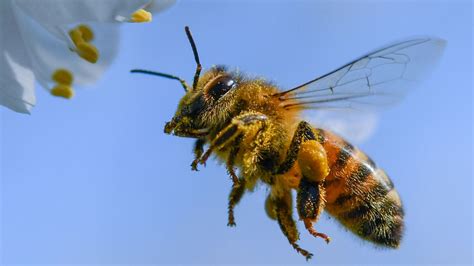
column 231, row 160
column 198, row 150
column 303, row 133
column 310, row 203
column 236, row 128
column 238, row 186
column 235, row 196
column 312, row 160
column 270, row 207
column 283, row 212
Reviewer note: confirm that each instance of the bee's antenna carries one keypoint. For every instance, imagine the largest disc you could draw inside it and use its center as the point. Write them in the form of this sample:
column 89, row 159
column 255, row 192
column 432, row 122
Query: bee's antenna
column 164, row 75
column 196, row 57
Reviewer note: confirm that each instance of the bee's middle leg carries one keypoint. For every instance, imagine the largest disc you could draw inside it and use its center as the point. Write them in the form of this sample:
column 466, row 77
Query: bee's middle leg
column 238, row 186
column 235, row 196
column 282, row 209
column 234, row 150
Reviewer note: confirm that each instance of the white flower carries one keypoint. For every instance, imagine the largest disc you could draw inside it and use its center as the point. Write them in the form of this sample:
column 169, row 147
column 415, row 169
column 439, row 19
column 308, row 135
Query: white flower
column 60, row 43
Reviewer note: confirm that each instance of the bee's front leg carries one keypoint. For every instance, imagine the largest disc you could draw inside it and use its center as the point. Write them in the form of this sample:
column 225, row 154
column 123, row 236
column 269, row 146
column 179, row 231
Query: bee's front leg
column 234, row 130
column 198, row 150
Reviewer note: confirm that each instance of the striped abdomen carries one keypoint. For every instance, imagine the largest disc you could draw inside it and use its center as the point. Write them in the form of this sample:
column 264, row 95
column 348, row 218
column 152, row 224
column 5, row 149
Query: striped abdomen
column 360, row 195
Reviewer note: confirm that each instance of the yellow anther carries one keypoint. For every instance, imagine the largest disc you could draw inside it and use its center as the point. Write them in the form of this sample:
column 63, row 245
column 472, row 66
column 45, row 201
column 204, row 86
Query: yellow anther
column 81, row 33
column 88, row 51
column 141, row 15
column 62, row 76
column 62, row 90
column 86, row 31
column 76, row 36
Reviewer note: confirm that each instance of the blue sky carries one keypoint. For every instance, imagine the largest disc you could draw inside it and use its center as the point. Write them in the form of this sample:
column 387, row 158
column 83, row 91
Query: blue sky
column 94, row 180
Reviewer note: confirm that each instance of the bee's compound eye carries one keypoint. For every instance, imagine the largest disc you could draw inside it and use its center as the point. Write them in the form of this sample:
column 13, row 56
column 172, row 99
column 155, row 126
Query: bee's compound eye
column 221, row 86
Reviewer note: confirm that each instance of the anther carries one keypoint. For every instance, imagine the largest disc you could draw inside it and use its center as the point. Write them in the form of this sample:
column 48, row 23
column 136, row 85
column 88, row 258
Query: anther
column 81, row 37
column 141, row 15
column 62, row 90
column 76, row 36
column 86, row 31
column 88, row 51
column 62, row 76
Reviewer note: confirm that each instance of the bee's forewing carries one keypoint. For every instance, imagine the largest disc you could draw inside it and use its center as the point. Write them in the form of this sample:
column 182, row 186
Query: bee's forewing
column 346, row 99
column 377, row 79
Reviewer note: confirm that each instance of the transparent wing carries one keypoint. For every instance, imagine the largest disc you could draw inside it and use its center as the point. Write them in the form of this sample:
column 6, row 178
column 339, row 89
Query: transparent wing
column 376, row 79
column 353, row 125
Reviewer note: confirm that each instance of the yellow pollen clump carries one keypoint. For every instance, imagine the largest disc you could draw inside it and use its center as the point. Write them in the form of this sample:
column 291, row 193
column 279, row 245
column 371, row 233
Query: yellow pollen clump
column 141, row 15
column 62, row 90
column 81, row 37
column 313, row 162
column 62, row 76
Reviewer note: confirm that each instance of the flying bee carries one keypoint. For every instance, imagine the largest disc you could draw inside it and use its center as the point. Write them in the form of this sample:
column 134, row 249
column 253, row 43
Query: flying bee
column 255, row 127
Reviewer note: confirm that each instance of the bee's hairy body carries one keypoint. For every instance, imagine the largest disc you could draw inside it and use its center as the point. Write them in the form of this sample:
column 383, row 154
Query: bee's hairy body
column 251, row 125
column 249, row 129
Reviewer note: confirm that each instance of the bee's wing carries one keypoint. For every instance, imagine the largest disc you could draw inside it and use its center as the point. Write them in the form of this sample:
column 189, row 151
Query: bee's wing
column 376, row 79
column 353, row 125
column 346, row 98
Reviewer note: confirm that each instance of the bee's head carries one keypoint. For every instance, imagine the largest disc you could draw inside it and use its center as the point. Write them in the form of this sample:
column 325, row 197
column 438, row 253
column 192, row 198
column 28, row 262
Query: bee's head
column 206, row 106
column 207, row 103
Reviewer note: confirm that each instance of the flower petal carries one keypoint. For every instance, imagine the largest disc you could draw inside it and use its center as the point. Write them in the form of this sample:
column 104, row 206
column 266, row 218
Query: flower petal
column 16, row 78
column 58, row 12
column 156, row 6
column 49, row 54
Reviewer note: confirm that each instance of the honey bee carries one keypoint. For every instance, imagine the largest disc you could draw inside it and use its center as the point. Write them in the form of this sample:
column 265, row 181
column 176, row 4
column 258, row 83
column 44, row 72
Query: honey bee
column 254, row 126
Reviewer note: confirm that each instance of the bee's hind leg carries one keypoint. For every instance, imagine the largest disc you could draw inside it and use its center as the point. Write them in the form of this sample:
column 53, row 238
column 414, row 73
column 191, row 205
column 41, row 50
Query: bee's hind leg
column 312, row 160
column 310, row 203
column 311, row 192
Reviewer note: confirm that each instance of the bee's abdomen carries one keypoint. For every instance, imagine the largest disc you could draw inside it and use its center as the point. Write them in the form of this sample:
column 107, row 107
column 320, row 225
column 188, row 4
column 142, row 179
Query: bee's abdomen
column 361, row 196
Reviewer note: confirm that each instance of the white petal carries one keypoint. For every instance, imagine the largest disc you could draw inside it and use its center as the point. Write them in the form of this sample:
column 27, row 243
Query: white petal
column 107, row 40
column 14, row 103
column 156, row 6
column 48, row 53
column 16, row 78
column 59, row 12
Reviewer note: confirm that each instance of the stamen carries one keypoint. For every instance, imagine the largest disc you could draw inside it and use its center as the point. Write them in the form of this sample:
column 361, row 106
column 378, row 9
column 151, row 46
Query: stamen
column 76, row 36
column 64, row 79
column 86, row 31
column 62, row 76
column 88, row 51
column 141, row 15
column 62, row 90
column 81, row 37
